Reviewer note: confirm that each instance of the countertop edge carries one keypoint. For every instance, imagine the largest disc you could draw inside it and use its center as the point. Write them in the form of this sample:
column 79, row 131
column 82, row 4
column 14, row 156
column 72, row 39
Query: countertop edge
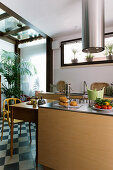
column 50, row 106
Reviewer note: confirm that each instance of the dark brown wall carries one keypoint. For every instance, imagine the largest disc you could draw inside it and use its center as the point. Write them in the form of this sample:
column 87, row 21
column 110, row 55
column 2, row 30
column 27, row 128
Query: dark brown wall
column 17, row 51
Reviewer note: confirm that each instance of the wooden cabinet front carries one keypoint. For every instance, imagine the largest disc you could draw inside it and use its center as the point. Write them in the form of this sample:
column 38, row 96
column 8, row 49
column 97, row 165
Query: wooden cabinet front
column 75, row 141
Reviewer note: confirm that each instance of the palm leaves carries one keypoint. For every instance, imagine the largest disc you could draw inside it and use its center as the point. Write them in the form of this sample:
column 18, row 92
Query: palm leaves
column 36, row 84
column 11, row 69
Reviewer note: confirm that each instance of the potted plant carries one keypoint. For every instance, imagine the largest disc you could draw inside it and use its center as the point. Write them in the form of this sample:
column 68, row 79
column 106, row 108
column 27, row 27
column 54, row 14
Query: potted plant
column 89, row 57
column 109, row 51
column 11, row 70
column 74, row 60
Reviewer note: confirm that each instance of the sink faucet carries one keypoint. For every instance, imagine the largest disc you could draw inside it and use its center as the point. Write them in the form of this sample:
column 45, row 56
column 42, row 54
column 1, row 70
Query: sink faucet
column 68, row 88
column 84, row 87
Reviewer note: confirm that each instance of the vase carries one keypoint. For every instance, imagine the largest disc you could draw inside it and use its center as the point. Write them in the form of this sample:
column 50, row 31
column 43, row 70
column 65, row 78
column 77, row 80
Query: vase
column 109, row 57
column 89, row 59
column 75, row 60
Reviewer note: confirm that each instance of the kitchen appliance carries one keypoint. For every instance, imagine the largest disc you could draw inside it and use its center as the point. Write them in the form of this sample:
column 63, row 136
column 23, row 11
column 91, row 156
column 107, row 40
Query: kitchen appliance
column 92, row 26
column 41, row 101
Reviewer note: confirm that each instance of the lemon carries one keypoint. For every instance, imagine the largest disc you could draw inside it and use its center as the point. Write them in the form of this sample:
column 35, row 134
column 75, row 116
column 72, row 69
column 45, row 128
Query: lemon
column 107, row 103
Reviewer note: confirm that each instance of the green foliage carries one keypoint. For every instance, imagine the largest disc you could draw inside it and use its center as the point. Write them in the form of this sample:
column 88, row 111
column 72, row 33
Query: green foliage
column 89, row 55
column 36, row 85
column 109, row 49
column 74, row 52
column 11, row 69
column 101, row 102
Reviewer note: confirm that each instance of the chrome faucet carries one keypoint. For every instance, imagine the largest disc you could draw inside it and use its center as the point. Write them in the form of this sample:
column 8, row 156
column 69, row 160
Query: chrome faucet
column 67, row 90
column 84, row 87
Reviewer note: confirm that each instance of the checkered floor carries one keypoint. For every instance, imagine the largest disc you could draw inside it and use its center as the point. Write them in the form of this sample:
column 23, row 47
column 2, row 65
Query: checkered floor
column 23, row 153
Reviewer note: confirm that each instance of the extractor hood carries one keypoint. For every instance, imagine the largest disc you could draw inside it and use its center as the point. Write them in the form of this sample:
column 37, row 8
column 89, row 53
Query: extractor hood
column 92, row 26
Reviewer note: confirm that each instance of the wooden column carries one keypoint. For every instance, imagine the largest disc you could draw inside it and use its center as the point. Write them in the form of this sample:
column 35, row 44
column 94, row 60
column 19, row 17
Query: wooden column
column 17, row 51
column 49, row 63
column 0, row 95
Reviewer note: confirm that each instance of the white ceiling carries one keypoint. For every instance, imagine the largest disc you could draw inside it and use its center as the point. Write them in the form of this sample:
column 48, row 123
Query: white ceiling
column 56, row 17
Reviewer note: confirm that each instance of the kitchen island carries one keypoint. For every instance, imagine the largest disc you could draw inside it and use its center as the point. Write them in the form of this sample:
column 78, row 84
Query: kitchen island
column 55, row 96
column 75, row 138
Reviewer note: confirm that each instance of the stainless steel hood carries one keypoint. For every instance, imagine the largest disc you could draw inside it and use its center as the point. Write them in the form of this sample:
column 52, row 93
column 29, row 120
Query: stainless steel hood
column 92, row 26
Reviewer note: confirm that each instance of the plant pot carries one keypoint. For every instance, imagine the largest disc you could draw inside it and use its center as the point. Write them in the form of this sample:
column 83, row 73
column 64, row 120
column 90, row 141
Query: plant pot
column 109, row 57
column 75, row 60
column 89, row 59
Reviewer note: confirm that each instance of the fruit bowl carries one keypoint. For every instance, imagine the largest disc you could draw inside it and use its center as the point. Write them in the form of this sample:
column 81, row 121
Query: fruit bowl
column 107, row 110
column 103, row 104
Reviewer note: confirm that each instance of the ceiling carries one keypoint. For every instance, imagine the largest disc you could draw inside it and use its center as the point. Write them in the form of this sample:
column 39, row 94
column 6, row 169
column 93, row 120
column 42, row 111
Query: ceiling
column 56, row 18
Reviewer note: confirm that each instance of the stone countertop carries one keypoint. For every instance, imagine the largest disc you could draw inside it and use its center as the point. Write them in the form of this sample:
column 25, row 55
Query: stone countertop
column 83, row 108
column 72, row 94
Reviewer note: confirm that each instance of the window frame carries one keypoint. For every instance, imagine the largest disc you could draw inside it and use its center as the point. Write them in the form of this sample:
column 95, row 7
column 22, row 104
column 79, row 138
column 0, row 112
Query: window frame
column 110, row 34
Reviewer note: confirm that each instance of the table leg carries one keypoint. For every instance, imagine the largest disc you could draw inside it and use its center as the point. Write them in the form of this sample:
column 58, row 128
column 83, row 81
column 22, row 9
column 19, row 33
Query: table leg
column 11, row 149
column 37, row 141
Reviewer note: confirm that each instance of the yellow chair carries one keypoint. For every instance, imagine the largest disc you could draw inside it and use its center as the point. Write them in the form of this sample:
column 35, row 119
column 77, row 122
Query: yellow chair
column 6, row 114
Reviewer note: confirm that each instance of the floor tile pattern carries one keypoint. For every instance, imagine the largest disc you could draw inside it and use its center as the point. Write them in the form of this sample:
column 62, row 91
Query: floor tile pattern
column 23, row 153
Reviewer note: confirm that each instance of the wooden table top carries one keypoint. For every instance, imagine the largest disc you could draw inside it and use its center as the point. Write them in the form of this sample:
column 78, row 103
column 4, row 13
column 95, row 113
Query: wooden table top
column 29, row 106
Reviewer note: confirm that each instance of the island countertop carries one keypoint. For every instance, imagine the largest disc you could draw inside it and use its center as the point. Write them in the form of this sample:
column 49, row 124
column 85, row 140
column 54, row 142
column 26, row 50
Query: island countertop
column 82, row 108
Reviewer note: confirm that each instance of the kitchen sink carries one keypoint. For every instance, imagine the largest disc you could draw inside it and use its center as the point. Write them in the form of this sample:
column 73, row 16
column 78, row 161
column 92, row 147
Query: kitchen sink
column 76, row 94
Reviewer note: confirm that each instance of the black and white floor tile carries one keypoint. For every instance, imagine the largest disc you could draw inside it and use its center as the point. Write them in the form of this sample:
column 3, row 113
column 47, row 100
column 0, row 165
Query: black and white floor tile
column 23, row 153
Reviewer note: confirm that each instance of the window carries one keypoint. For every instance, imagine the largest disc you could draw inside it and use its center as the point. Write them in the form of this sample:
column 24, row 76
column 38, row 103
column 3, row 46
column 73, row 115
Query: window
column 71, row 53
column 35, row 52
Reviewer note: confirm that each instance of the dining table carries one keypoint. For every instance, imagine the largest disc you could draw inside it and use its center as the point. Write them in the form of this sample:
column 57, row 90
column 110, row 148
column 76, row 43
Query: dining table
column 26, row 112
